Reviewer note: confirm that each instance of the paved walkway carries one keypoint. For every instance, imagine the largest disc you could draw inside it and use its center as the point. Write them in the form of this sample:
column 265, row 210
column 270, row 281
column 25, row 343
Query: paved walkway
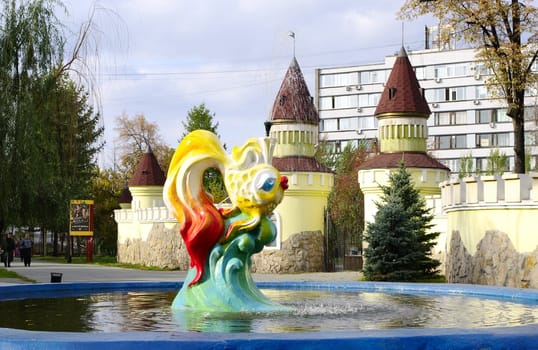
column 40, row 271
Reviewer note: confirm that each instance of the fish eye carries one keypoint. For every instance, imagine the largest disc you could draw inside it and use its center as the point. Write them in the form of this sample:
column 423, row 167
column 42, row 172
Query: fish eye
column 265, row 181
column 268, row 184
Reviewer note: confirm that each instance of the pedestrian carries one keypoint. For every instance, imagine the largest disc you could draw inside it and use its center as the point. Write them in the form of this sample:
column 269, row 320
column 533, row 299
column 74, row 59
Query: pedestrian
column 26, row 249
column 9, row 248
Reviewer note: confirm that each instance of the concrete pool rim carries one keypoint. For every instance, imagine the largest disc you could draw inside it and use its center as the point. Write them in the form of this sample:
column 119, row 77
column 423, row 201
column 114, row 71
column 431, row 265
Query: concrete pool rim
column 517, row 337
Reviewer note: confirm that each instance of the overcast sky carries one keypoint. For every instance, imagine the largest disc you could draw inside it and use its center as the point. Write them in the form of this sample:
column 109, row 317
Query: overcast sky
column 161, row 58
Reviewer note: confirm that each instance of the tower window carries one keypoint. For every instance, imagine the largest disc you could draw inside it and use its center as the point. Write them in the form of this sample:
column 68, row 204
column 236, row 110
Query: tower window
column 392, row 92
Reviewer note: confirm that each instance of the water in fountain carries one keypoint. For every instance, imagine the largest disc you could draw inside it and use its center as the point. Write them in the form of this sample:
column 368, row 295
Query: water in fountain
column 315, row 310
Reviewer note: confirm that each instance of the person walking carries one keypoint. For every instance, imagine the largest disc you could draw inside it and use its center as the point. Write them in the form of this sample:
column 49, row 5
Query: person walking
column 10, row 248
column 26, row 250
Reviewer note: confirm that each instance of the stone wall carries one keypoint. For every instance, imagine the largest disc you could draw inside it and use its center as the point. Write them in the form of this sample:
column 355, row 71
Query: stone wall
column 495, row 262
column 490, row 230
column 163, row 248
column 302, row 252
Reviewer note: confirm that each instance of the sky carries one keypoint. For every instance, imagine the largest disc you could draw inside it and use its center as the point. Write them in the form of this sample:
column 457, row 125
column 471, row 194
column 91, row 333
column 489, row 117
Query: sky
column 161, row 58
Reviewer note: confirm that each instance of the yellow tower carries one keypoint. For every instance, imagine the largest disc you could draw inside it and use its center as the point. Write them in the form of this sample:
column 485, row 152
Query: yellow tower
column 402, row 113
column 300, row 217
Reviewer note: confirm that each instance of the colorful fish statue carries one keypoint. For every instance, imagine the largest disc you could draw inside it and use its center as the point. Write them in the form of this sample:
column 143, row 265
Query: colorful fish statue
column 221, row 241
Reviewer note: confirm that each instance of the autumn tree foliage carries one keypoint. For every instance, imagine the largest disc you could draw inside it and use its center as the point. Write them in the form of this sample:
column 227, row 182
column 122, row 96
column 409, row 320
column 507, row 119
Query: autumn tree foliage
column 135, row 136
column 345, row 203
column 505, row 33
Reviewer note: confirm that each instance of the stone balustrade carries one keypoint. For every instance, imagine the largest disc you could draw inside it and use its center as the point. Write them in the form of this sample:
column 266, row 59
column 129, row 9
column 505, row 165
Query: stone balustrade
column 488, row 191
column 144, row 215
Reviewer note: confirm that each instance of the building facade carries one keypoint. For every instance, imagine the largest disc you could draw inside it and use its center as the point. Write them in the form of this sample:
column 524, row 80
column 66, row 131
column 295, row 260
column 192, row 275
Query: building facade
column 465, row 121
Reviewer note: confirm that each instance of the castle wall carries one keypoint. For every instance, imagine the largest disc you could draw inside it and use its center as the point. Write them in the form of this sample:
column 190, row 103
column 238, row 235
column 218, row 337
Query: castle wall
column 150, row 237
column 302, row 208
column 490, row 230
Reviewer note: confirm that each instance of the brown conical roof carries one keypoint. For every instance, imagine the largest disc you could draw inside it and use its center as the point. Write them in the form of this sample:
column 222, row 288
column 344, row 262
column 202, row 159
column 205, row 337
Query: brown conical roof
column 299, row 163
column 125, row 195
column 402, row 91
column 410, row 160
column 293, row 101
column 148, row 172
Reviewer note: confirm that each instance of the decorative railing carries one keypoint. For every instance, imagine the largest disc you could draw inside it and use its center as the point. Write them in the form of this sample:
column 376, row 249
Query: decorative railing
column 490, row 191
column 144, row 215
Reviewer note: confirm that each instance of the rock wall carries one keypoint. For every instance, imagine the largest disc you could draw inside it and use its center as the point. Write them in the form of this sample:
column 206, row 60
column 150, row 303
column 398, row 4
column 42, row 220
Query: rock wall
column 302, row 252
column 496, row 262
column 163, row 248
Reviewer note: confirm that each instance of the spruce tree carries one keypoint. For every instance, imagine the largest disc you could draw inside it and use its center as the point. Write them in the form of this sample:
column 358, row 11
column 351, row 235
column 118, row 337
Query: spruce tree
column 399, row 239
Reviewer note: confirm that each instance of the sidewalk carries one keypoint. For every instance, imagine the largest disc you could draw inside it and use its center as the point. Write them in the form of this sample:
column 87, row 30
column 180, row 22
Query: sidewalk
column 40, row 271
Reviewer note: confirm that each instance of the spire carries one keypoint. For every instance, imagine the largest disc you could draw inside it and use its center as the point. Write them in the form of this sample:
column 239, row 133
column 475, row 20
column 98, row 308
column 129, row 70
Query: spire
column 293, row 101
column 148, row 172
column 402, row 92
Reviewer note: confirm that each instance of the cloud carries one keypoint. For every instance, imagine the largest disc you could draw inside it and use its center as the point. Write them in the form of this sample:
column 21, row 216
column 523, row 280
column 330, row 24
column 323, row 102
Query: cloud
column 163, row 57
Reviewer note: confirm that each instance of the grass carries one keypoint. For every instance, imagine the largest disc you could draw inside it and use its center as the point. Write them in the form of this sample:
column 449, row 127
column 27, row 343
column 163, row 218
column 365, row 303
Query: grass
column 11, row 274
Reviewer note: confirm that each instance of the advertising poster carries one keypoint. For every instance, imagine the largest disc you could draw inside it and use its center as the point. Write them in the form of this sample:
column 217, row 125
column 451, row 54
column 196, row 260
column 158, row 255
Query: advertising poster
column 81, row 218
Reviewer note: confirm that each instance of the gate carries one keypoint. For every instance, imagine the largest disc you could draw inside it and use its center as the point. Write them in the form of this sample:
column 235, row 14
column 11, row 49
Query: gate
column 343, row 248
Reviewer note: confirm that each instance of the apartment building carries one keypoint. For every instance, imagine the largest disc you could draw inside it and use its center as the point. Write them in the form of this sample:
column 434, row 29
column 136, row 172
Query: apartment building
column 465, row 119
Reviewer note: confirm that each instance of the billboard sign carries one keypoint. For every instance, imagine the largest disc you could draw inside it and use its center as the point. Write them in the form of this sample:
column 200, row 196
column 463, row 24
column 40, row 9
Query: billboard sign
column 81, row 218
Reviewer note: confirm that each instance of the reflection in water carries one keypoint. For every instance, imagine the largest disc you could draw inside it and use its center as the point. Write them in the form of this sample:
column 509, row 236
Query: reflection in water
column 314, row 311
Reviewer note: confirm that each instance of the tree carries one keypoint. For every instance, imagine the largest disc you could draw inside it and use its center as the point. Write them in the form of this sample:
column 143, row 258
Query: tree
column 48, row 133
column 399, row 241
column 497, row 29
column 70, row 143
column 345, row 203
column 200, row 117
column 496, row 162
column 107, row 185
column 135, row 136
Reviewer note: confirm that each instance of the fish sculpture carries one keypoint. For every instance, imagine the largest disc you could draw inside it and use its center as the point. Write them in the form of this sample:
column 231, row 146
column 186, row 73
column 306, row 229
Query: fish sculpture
column 221, row 241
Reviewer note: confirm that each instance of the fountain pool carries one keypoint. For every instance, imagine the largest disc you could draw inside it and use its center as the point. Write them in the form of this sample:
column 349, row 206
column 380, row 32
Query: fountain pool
column 386, row 315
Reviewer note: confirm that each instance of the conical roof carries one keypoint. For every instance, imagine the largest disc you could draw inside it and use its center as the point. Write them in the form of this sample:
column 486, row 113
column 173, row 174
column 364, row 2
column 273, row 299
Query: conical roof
column 410, row 160
column 148, row 172
column 125, row 196
column 402, row 92
column 293, row 101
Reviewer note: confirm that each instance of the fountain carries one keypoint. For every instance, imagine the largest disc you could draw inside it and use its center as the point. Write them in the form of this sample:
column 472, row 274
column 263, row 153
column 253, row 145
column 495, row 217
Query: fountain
column 220, row 243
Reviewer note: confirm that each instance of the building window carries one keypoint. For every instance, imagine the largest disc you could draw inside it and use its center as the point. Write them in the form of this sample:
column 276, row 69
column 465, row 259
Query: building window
column 373, row 77
column 450, row 142
column 347, row 101
column 452, row 70
column 531, row 138
column 450, row 118
column 501, row 139
column 435, row 95
column 486, row 116
column 455, row 94
column 369, row 100
column 329, row 125
column 339, row 79
column 326, row 103
column 349, row 123
column 531, row 113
